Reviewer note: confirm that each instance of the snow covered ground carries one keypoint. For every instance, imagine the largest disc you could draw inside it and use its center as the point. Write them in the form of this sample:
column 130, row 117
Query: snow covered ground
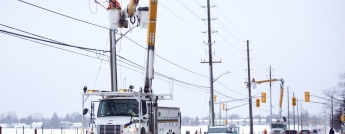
column 243, row 129
column 258, row 129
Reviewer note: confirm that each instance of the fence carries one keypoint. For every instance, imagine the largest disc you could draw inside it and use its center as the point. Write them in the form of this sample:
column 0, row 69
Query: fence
column 39, row 131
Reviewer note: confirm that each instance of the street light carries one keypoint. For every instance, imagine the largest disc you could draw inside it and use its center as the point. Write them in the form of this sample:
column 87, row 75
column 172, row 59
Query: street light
column 220, row 76
column 214, row 80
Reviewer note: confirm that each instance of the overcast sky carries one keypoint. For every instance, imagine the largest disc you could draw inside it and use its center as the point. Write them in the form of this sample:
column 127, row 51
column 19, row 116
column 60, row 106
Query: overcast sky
column 303, row 41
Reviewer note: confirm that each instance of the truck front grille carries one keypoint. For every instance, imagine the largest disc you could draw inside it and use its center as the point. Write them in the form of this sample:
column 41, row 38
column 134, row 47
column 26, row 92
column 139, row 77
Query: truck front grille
column 110, row 129
column 276, row 131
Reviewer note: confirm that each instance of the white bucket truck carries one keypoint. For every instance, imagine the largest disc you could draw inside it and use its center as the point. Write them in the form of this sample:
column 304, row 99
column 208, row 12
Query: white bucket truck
column 130, row 112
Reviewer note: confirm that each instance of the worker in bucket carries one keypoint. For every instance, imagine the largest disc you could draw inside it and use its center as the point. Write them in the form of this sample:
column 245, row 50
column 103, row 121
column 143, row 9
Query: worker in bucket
column 114, row 4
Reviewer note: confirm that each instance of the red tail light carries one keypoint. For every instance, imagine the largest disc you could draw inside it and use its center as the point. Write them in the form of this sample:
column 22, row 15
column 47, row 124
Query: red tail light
column 308, row 132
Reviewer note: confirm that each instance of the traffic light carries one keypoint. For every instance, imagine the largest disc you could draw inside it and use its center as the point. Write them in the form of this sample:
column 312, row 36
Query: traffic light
column 214, row 98
column 263, row 97
column 223, row 106
column 342, row 118
column 226, row 122
column 293, row 101
column 306, row 96
column 257, row 102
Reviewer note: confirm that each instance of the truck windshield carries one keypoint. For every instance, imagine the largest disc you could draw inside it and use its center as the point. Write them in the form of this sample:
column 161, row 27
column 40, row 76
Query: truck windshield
column 277, row 126
column 119, row 107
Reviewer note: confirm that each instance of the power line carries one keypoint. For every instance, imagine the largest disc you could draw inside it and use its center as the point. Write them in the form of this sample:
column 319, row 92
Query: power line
column 58, row 43
column 107, row 28
column 178, row 48
column 230, row 89
column 168, row 60
column 62, row 14
column 236, row 30
column 186, row 7
column 221, row 24
column 179, row 17
column 177, row 27
column 260, row 54
column 229, row 21
column 99, row 69
column 186, row 35
column 51, row 46
column 229, row 52
column 141, row 67
column 197, row 2
column 236, row 48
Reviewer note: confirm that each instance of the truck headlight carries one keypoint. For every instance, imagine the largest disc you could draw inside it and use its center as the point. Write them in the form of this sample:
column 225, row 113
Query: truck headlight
column 134, row 129
column 91, row 131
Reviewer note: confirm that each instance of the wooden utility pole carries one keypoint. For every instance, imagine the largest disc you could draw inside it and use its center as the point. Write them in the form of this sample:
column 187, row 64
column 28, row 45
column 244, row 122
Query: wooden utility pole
column 250, row 93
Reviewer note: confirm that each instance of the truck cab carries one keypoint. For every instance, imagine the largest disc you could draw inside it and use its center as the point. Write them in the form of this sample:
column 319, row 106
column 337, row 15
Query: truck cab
column 120, row 115
column 278, row 128
column 128, row 112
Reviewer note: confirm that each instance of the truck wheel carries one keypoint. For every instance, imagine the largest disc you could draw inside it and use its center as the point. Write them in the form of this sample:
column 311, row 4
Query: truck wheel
column 142, row 131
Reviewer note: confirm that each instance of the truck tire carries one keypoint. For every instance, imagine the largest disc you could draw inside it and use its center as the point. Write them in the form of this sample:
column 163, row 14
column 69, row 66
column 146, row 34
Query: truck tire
column 142, row 131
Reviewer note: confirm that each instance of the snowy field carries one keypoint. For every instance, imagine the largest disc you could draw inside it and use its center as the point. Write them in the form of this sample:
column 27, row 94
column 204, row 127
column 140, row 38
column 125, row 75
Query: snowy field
column 39, row 131
column 258, row 129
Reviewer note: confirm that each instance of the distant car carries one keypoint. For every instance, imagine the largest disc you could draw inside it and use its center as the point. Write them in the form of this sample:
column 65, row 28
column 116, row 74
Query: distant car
column 304, row 132
column 314, row 131
column 290, row 131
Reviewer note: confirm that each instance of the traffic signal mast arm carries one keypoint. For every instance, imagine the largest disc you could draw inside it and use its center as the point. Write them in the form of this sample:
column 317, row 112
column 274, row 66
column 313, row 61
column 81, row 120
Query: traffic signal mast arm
column 270, row 80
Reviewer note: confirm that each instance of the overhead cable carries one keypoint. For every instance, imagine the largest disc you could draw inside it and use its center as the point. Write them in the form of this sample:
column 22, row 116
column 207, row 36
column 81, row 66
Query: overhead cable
column 63, row 14
column 56, row 42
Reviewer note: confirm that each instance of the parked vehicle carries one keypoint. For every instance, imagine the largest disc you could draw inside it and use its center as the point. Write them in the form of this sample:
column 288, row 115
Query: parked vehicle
column 304, row 132
column 314, row 131
column 291, row 131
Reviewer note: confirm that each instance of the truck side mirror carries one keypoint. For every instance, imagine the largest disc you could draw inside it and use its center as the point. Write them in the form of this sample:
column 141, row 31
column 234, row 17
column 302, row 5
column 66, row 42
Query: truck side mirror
column 85, row 111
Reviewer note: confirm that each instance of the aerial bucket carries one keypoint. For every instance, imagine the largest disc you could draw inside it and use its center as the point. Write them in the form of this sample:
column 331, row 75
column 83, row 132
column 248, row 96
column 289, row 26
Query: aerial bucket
column 114, row 18
column 144, row 17
column 253, row 85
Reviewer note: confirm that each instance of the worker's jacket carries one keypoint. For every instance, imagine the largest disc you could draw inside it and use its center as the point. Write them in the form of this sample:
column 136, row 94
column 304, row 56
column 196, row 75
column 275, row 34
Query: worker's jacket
column 114, row 5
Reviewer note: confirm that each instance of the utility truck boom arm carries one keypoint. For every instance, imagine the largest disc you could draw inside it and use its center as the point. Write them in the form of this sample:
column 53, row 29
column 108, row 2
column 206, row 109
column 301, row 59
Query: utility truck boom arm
column 151, row 39
column 281, row 92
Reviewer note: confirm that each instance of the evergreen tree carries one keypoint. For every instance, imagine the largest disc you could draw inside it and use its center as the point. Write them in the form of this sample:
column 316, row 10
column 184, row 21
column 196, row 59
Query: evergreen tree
column 185, row 121
column 196, row 121
column 29, row 120
column 54, row 121
column 76, row 117
column 68, row 118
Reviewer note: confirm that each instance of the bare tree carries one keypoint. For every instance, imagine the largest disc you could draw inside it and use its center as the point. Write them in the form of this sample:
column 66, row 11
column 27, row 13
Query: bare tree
column 234, row 116
column 37, row 117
